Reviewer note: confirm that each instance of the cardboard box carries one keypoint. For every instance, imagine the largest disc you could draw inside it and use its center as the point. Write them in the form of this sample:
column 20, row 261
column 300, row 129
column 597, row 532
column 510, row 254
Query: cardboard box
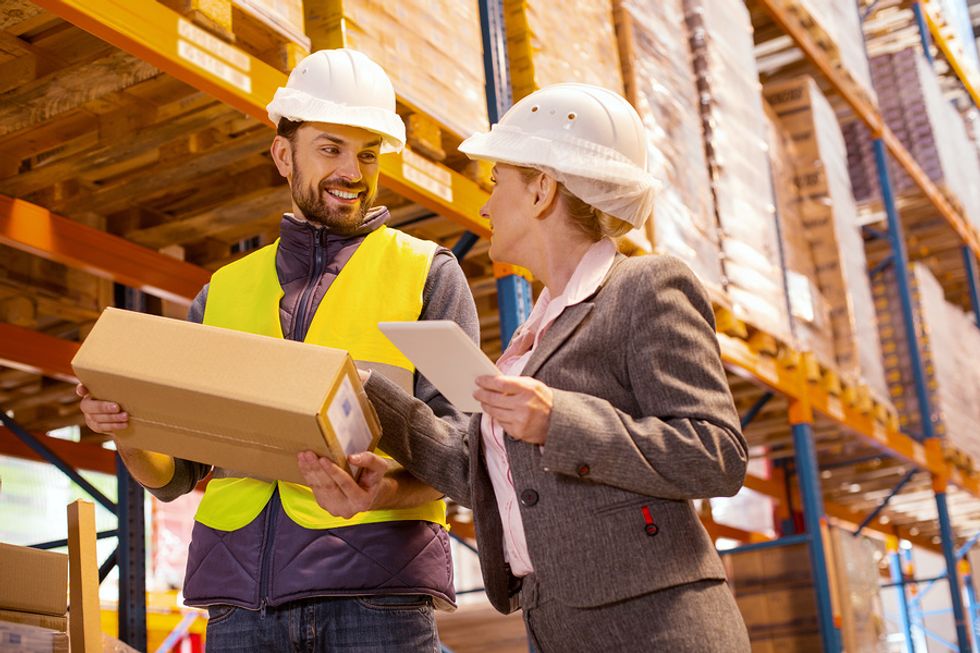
column 240, row 401
column 18, row 638
column 48, row 621
column 32, row 580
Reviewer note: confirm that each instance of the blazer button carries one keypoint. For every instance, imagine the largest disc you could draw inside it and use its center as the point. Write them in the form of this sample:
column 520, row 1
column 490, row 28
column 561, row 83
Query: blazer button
column 529, row 497
column 583, row 470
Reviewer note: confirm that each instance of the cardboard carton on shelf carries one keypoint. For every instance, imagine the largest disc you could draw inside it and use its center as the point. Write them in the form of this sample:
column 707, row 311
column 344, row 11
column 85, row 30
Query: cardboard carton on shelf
column 236, row 400
column 33, row 600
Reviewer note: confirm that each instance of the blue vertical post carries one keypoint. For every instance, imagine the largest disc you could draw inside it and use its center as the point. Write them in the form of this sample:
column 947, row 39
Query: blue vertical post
column 901, row 262
column 970, row 264
column 921, row 388
column 513, row 291
column 949, row 553
column 904, row 619
column 132, row 536
column 920, row 20
column 813, row 516
column 971, row 610
column 132, row 560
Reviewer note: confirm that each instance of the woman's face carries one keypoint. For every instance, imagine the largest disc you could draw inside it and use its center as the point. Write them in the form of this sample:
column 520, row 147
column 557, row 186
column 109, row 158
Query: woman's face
column 509, row 212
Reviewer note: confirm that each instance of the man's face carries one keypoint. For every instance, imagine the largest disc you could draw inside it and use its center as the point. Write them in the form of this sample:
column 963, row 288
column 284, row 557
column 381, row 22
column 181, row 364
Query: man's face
column 334, row 174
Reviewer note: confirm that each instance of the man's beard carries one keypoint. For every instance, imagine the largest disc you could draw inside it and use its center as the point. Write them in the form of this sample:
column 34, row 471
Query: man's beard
column 313, row 204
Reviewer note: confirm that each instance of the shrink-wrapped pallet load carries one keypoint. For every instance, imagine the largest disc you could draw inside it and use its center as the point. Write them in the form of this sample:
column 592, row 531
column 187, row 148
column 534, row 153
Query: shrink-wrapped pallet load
column 658, row 74
column 735, row 134
column 830, row 221
column 949, row 346
column 928, row 126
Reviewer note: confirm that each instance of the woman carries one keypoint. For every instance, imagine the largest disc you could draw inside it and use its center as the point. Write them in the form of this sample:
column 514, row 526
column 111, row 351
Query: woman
column 612, row 413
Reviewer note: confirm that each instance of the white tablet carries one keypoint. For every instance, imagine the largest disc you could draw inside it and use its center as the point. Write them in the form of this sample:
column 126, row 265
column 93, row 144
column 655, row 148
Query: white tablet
column 447, row 357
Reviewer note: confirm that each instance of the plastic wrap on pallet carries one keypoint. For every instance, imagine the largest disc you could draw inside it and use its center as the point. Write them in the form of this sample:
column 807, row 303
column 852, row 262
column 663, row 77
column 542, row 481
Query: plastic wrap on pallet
column 809, row 308
column 431, row 49
column 657, row 72
column 553, row 41
column 830, row 222
column 863, row 626
column 735, row 138
column 842, row 22
column 284, row 16
column 949, row 346
column 933, row 132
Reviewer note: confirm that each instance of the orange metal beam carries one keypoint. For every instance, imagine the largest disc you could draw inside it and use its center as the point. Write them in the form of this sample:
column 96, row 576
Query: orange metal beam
column 37, row 353
column 162, row 37
column 36, row 230
column 79, row 455
column 946, row 48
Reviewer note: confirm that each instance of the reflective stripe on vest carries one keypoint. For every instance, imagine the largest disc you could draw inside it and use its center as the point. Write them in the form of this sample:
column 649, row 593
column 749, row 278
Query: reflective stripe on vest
column 383, row 281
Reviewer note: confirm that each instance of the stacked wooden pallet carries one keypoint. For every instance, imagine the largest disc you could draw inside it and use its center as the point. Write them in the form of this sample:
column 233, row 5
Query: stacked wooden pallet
column 549, row 42
column 271, row 30
column 830, row 224
column 431, row 50
column 949, row 346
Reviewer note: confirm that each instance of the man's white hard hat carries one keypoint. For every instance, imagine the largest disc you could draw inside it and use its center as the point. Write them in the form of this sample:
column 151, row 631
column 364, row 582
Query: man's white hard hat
column 341, row 87
column 589, row 138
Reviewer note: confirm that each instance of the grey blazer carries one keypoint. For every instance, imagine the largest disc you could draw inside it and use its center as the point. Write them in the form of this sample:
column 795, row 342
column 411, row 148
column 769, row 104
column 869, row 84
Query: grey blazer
column 642, row 423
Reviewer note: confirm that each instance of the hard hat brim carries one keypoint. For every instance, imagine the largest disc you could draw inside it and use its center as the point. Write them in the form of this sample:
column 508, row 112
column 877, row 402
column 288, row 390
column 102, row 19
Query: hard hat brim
column 298, row 106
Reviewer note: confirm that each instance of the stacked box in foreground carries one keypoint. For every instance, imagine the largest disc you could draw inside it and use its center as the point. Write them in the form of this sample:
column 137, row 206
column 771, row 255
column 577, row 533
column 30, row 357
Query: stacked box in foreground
column 775, row 593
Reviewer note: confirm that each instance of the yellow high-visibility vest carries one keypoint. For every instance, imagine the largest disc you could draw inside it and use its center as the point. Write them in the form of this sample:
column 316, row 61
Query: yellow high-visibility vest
column 382, row 281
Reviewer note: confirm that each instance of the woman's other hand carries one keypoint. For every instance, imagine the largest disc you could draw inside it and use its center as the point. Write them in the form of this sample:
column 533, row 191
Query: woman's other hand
column 520, row 404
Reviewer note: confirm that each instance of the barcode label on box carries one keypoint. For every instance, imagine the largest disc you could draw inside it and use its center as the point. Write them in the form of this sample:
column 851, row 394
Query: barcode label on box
column 347, row 419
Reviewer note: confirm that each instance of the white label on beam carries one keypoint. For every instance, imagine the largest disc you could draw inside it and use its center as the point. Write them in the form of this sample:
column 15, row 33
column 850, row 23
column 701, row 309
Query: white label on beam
column 214, row 45
column 216, row 67
column 427, row 175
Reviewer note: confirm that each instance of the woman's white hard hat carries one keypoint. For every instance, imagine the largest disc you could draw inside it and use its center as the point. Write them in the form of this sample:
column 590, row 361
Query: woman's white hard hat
column 341, row 87
column 589, row 138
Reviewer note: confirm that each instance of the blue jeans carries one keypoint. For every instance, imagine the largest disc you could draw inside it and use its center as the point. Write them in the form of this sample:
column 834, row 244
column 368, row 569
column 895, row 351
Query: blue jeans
column 363, row 624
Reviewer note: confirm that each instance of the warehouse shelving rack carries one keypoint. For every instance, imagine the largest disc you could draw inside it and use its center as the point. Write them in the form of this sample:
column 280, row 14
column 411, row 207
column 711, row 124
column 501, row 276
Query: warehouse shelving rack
column 942, row 474
column 785, row 384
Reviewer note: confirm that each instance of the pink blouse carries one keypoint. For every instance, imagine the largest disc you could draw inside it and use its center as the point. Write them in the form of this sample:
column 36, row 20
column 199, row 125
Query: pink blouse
column 589, row 273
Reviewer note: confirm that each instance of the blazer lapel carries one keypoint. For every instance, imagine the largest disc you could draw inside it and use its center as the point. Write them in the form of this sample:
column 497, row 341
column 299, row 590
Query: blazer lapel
column 556, row 335
column 565, row 325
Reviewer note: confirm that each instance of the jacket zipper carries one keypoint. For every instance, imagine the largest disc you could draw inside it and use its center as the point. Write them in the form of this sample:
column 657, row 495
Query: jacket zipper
column 299, row 326
column 270, row 527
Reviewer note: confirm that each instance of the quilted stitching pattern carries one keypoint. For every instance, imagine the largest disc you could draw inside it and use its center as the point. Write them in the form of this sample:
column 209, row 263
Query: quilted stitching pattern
column 225, row 567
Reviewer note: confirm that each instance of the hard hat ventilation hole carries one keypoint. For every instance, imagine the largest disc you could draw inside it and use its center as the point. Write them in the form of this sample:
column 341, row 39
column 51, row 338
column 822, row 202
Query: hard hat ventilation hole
column 571, row 116
column 534, row 109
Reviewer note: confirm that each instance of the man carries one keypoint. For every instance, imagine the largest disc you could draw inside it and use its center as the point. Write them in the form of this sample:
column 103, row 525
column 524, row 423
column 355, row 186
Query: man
column 353, row 566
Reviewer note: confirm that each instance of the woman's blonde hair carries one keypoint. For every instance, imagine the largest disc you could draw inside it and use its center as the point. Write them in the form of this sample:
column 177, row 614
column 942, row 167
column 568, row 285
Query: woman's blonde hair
column 591, row 221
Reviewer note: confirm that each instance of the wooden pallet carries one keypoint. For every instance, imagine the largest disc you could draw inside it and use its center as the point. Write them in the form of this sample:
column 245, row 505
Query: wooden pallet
column 272, row 32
